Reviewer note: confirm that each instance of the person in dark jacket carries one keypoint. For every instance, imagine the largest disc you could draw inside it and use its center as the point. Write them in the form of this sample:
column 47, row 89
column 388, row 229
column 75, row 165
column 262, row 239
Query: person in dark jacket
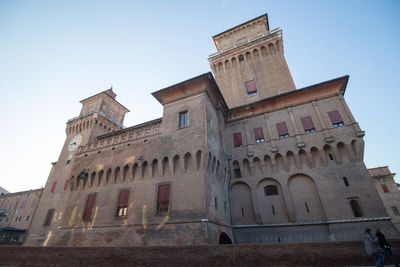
column 372, row 248
column 385, row 246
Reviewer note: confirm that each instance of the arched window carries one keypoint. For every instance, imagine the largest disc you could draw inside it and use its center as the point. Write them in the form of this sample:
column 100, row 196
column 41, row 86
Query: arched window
column 271, row 190
column 356, row 208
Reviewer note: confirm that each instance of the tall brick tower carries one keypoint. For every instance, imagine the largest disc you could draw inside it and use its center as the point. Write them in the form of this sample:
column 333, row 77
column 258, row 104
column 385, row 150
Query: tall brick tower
column 100, row 114
column 249, row 65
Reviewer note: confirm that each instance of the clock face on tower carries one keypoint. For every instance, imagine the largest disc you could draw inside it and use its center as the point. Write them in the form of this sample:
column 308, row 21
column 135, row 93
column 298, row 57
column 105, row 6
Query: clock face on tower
column 75, row 142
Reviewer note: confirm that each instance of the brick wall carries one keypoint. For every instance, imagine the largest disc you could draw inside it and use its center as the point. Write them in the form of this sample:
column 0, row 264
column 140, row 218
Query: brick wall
column 306, row 254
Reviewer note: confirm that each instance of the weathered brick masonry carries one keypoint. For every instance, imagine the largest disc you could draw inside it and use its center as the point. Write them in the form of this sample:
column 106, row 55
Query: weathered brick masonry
column 302, row 254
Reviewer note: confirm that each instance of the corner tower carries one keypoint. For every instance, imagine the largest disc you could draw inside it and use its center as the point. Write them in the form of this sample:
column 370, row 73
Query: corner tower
column 100, row 114
column 249, row 64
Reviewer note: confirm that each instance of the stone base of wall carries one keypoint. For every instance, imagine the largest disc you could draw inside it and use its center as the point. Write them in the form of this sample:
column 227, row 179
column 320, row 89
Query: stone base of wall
column 318, row 232
column 304, row 254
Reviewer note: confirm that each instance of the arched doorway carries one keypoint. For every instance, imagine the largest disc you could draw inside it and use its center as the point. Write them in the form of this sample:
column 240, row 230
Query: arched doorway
column 224, row 239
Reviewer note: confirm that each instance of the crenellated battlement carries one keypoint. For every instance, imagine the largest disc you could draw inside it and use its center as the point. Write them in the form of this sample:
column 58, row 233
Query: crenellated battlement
column 140, row 131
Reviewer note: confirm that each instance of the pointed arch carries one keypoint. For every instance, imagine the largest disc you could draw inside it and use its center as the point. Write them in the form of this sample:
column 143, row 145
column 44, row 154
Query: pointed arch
column 257, row 166
column 291, row 161
column 343, row 155
column 198, row 159
column 187, row 162
column 303, row 158
column 125, row 173
column 315, row 156
column 134, row 170
column 100, row 177
column 144, row 169
column 165, row 166
column 264, row 52
column 256, row 54
column 246, row 167
column 154, row 168
column 108, row 174
column 176, row 164
column 92, row 179
column 268, row 164
column 329, row 155
column 116, row 175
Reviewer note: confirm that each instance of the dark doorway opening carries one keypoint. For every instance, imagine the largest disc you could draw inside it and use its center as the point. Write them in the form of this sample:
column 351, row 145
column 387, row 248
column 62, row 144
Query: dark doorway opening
column 224, row 239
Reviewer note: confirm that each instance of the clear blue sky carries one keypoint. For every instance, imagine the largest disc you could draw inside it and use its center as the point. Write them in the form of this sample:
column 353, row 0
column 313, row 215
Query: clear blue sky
column 55, row 53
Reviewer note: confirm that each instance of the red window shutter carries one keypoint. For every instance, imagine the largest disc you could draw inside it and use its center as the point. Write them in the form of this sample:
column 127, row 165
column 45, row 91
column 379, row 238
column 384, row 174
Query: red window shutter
column 335, row 117
column 237, row 139
column 89, row 207
column 307, row 123
column 123, row 199
column 251, row 87
column 66, row 185
column 258, row 133
column 282, row 128
column 384, row 188
column 163, row 193
column 54, row 187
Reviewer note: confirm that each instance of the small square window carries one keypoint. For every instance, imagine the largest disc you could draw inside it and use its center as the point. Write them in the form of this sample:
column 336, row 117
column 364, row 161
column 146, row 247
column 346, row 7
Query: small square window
column 259, row 135
column 183, row 119
column 237, row 173
column 283, row 131
column 335, row 118
column 251, row 87
column 308, row 124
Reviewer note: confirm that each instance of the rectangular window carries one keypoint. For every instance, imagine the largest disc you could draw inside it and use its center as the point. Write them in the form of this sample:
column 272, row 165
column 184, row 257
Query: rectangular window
column 66, row 185
column 89, row 207
column 259, row 135
column 237, row 139
column 49, row 217
column 283, row 131
column 384, row 188
column 163, row 198
column 237, row 173
column 395, row 211
column 122, row 209
column 183, row 119
column 251, row 87
column 308, row 124
column 335, row 118
column 54, row 187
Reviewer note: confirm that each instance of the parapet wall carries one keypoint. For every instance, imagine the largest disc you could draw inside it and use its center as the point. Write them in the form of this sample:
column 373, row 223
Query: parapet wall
column 305, row 254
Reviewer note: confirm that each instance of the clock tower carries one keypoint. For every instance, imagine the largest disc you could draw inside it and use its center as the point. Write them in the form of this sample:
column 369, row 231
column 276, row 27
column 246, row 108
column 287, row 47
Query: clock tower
column 100, row 114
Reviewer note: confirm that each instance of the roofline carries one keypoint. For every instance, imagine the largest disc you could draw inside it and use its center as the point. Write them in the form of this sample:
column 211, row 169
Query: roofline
column 180, row 83
column 266, row 14
column 87, row 98
column 296, row 91
column 130, row 128
column 206, row 74
column 21, row 192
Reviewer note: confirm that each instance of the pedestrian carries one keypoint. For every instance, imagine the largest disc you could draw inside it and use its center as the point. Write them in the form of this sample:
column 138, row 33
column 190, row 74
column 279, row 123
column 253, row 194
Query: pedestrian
column 385, row 246
column 372, row 248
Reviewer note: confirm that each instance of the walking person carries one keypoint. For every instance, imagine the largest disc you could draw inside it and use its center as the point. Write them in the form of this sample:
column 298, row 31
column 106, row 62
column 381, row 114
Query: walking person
column 372, row 248
column 385, row 246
